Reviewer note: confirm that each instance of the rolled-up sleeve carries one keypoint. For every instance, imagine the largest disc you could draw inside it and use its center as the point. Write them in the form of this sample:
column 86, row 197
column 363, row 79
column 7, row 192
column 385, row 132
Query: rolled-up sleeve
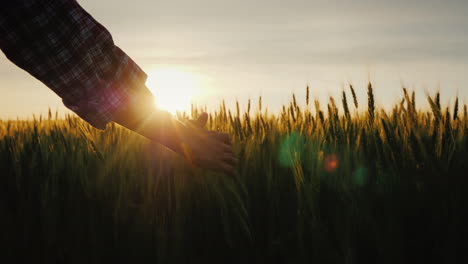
column 64, row 47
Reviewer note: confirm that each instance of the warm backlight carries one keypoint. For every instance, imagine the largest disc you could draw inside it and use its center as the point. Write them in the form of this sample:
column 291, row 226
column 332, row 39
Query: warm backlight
column 173, row 89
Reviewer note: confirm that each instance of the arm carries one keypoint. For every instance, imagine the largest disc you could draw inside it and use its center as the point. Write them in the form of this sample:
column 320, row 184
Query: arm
column 61, row 45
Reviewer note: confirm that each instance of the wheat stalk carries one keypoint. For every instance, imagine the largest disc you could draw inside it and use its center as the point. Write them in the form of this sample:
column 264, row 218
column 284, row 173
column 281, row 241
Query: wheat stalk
column 353, row 93
column 370, row 102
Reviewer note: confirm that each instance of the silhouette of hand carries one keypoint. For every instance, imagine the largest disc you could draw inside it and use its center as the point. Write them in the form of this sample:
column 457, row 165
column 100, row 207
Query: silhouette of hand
column 208, row 149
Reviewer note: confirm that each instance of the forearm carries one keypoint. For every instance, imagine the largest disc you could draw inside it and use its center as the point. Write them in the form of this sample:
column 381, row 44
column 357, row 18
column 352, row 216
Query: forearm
column 152, row 123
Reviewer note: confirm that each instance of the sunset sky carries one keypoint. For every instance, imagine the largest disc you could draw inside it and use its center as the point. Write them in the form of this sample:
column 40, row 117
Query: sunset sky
column 219, row 49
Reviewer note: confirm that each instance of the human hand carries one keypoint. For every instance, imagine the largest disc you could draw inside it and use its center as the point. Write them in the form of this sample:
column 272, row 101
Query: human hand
column 201, row 147
column 208, row 149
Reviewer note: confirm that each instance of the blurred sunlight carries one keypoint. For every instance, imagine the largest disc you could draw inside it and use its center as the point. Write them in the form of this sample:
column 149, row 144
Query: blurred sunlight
column 174, row 89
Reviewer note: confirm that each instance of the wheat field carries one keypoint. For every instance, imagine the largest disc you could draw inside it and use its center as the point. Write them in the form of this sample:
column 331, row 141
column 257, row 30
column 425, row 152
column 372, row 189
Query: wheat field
column 340, row 181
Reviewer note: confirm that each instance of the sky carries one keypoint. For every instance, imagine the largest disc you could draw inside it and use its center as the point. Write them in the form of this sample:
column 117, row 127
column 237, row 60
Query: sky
column 235, row 50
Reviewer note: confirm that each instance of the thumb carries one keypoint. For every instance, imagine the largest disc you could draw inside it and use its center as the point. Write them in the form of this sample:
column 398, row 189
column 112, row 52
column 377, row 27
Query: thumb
column 201, row 120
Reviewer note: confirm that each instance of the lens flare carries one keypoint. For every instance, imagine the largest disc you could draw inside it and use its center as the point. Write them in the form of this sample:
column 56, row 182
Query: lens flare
column 360, row 176
column 330, row 163
column 291, row 149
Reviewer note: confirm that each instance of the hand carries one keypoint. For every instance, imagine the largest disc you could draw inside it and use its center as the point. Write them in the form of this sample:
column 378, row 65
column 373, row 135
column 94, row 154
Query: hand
column 208, row 149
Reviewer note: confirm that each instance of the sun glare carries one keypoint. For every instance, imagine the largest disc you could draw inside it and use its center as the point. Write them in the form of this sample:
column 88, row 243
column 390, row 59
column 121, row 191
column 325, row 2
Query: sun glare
column 173, row 89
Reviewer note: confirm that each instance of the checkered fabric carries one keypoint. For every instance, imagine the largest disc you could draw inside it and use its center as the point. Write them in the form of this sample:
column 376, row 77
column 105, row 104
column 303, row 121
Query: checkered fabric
column 60, row 44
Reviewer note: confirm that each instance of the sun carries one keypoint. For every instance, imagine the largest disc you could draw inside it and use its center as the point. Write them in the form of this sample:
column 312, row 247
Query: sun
column 174, row 90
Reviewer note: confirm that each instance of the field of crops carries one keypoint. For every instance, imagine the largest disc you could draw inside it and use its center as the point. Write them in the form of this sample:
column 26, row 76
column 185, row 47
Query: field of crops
column 338, row 182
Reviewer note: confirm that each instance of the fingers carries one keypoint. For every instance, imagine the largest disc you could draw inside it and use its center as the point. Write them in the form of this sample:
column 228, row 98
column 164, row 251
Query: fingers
column 212, row 150
column 230, row 159
column 228, row 164
column 226, row 148
column 223, row 137
column 201, row 121
column 224, row 162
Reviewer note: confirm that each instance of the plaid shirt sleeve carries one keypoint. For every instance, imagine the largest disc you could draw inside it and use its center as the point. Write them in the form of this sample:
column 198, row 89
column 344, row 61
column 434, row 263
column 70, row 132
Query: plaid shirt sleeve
column 60, row 44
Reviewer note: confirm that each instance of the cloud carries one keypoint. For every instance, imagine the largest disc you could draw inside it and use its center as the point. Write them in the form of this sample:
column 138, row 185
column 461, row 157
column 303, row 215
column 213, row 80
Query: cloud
column 273, row 31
